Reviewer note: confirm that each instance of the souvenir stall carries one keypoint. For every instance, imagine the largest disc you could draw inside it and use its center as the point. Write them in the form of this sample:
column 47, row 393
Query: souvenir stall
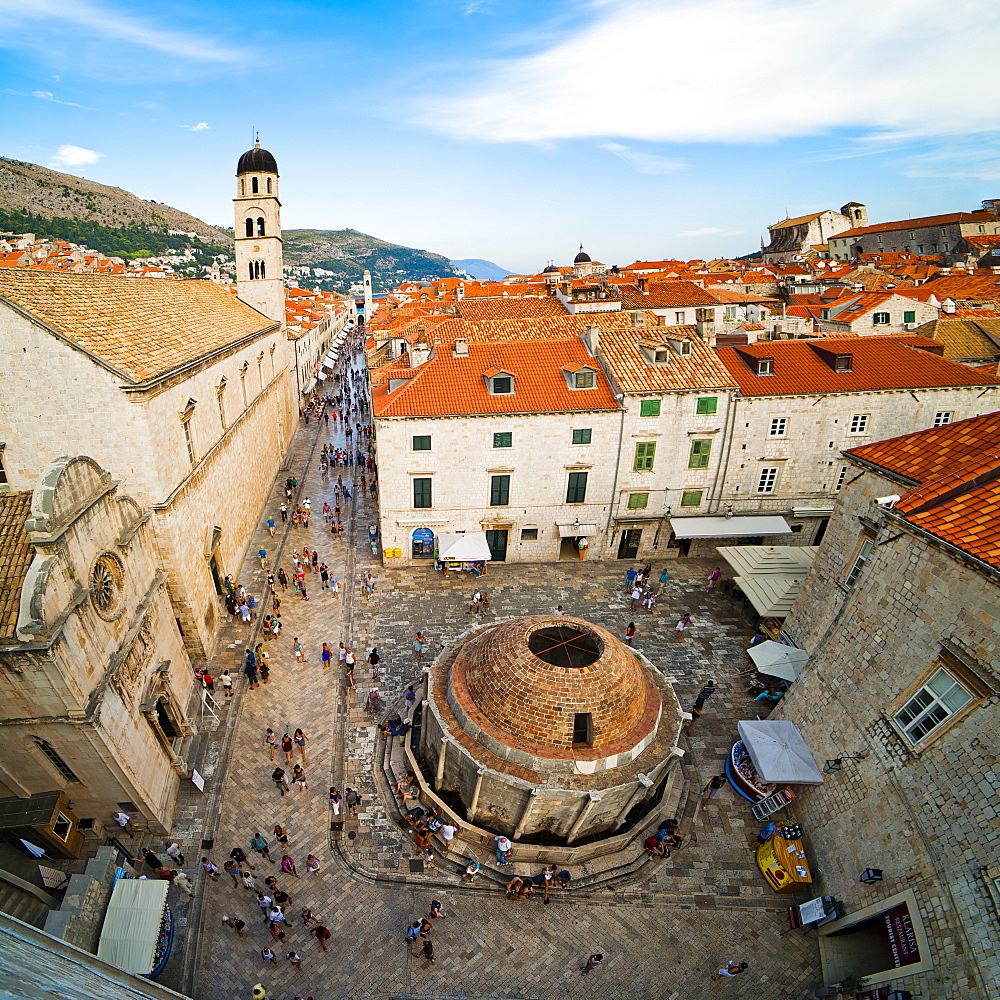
column 138, row 930
column 468, row 552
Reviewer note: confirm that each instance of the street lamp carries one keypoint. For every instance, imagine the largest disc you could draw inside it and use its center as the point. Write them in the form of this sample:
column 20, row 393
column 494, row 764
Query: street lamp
column 838, row 762
column 870, row 875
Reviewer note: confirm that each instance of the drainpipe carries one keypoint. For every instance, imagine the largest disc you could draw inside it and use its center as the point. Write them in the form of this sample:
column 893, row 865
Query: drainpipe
column 732, row 404
column 618, row 463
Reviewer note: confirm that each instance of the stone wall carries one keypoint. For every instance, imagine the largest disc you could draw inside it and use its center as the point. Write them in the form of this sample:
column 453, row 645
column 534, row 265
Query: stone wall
column 926, row 815
column 80, row 918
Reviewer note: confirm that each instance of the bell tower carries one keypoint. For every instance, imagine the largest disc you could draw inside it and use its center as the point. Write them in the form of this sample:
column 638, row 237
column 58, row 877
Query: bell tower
column 259, row 280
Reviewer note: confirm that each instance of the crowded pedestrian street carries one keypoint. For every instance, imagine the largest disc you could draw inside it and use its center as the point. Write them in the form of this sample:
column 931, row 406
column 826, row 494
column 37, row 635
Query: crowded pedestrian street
column 663, row 925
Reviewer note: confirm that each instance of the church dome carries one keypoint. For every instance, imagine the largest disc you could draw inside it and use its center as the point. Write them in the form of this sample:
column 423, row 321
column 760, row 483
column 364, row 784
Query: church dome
column 556, row 687
column 582, row 257
column 257, row 161
column 551, row 269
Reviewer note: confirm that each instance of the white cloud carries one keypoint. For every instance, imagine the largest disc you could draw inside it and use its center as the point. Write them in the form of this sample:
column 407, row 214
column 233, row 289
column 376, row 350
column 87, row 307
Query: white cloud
column 47, row 95
column 200, row 127
column 645, row 163
column 739, row 71
column 96, row 20
column 74, row 156
column 712, row 231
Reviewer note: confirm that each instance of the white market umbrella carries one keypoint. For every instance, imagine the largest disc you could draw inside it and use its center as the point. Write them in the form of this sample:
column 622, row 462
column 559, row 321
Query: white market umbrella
column 778, row 660
column 779, row 753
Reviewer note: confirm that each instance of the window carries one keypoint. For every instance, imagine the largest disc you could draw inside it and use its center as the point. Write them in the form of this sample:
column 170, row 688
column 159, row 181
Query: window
column 768, row 477
column 649, row 408
column 843, row 363
column 503, row 439
column 254, row 186
column 765, row 366
column 583, row 729
column 502, row 385
column 943, row 417
column 880, row 319
column 691, row 498
column 661, row 355
column 942, row 696
column 4, row 483
column 249, row 227
column 684, row 348
column 779, row 426
column 260, row 227
column 707, row 404
column 529, row 534
column 55, row 760
column 841, row 476
column 576, row 490
column 859, row 423
column 62, row 827
column 499, row 491
column 269, row 185
column 679, row 318
column 422, row 492
column 638, row 501
column 421, row 442
column 582, row 436
column 644, row 452
column 859, row 562
column 243, row 383
column 583, row 380
column 189, row 440
column 220, row 397
column 700, row 453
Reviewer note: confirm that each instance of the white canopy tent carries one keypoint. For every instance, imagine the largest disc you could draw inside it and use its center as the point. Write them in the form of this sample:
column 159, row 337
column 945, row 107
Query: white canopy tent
column 132, row 924
column 470, row 547
column 778, row 660
column 779, row 753
column 728, row 527
column 770, row 575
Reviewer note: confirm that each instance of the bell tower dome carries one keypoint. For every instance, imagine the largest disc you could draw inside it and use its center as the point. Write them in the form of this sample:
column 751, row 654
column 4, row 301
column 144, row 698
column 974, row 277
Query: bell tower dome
column 257, row 211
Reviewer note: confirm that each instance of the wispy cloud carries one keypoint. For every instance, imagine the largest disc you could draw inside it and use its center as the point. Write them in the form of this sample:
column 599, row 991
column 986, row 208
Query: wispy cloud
column 200, row 127
column 74, row 156
column 47, row 95
column 104, row 22
column 737, row 71
column 645, row 163
column 712, row 231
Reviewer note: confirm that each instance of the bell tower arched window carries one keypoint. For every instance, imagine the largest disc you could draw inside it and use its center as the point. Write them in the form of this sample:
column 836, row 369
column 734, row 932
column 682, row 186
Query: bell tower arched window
column 249, row 225
column 260, row 227
column 243, row 186
column 262, row 274
column 254, row 188
column 269, row 185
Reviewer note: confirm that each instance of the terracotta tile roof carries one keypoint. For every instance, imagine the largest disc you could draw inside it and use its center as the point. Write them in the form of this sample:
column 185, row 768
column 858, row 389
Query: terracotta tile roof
column 983, row 242
column 668, row 294
column 956, row 469
column 634, row 372
column 16, row 553
column 141, row 328
column 806, row 366
column 798, row 220
column 977, row 287
column 929, row 220
column 510, row 308
column 964, row 339
column 446, row 385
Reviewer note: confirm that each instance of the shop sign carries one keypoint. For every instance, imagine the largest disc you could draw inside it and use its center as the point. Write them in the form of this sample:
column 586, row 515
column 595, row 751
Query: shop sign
column 902, row 938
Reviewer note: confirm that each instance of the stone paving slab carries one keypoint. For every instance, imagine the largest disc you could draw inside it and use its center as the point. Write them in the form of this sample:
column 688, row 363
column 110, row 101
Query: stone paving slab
column 662, row 935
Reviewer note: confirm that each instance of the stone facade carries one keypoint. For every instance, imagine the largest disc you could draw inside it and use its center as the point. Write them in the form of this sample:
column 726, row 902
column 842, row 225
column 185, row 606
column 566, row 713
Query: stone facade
column 894, row 314
column 199, row 447
column 925, row 813
column 793, row 239
column 96, row 687
column 931, row 235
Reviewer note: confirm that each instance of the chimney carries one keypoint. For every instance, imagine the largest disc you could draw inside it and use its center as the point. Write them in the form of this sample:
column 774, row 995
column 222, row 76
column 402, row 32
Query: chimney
column 706, row 331
column 948, row 307
column 637, row 317
column 592, row 338
column 461, row 348
column 460, row 292
column 420, row 352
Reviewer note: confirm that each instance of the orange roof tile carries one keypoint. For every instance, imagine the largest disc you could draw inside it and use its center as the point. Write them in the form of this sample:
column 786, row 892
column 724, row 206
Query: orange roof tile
column 16, row 553
column 477, row 310
column 450, row 386
column 929, row 220
column 806, row 366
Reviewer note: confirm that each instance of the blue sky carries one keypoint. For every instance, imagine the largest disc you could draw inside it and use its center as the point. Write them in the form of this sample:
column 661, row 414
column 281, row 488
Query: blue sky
column 514, row 130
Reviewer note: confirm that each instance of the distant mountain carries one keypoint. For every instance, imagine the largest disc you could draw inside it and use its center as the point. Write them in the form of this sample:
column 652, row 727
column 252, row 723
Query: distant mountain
column 346, row 253
column 485, row 270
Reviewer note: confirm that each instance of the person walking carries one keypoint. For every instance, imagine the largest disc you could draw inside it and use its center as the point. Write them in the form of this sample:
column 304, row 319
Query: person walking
column 264, row 902
column 300, row 739
column 335, row 798
column 232, row 869
column 436, row 912
column 236, row 924
column 268, row 956
column 288, row 866
column 299, row 777
column 259, row 844
column 281, row 835
column 429, row 951
column 732, row 969
column 250, row 668
column 297, row 649
column 504, row 849
column 283, row 577
column 287, row 748
column 593, row 962
column 682, row 624
column 270, row 740
column 629, row 633
column 173, row 851
column 353, row 800
column 312, row 864
column 227, row 684
column 325, row 655
column 322, row 935
column 704, row 694
column 240, row 857
column 210, row 869
column 712, row 789
column 278, row 777
column 413, row 931
column 475, row 602
column 349, row 660
column 713, row 579
column 294, row 959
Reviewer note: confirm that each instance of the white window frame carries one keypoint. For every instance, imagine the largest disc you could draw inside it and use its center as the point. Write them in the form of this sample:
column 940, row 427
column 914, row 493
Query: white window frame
column 943, row 417
column 842, row 475
column 881, row 318
column 765, row 366
column 778, row 428
column 767, row 479
column 863, row 554
column 927, row 704
column 860, row 423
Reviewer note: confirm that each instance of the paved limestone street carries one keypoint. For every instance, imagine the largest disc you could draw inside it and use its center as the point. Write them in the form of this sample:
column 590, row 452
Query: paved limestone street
column 663, row 930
